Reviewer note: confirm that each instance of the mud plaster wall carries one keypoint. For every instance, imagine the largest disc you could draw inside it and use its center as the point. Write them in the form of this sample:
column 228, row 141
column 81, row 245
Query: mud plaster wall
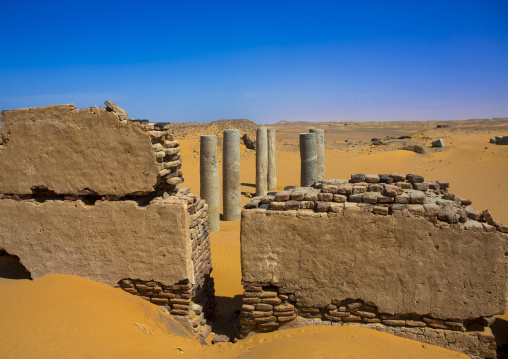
column 105, row 242
column 68, row 150
column 402, row 265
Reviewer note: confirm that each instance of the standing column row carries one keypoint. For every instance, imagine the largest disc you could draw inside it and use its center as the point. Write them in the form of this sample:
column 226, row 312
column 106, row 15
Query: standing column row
column 209, row 179
column 231, row 185
column 308, row 157
column 320, row 148
column 266, row 176
column 261, row 162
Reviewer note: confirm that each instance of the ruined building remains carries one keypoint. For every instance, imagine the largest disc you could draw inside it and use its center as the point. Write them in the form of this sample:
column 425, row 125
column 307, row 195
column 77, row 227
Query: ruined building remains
column 389, row 252
column 90, row 193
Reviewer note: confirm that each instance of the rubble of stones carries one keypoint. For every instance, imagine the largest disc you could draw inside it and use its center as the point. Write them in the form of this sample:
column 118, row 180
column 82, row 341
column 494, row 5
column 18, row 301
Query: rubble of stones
column 166, row 151
column 249, row 144
column 500, row 140
column 266, row 308
column 396, row 194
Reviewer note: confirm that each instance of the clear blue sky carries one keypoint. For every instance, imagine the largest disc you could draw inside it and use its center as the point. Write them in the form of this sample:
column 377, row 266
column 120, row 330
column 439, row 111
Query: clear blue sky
column 262, row 60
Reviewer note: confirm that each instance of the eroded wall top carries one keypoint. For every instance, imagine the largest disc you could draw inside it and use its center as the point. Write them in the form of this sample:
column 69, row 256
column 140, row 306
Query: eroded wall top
column 407, row 248
column 70, row 151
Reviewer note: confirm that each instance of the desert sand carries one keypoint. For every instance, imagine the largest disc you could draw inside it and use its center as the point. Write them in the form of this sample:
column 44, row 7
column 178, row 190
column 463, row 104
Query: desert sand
column 63, row 316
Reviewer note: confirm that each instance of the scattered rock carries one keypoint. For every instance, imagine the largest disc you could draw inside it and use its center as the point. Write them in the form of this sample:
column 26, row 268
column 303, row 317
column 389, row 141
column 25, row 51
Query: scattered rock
column 117, row 110
column 251, row 145
column 414, row 148
column 501, row 140
column 443, row 126
column 438, row 143
column 220, row 338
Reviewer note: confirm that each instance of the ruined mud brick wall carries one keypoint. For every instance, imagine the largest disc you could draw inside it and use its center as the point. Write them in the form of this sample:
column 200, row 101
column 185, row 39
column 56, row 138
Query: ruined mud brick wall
column 392, row 252
column 89, row 193
column 79, row 152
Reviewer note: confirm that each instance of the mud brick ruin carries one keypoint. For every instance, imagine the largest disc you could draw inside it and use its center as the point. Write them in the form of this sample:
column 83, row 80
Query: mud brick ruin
column 389, row 252
column 89, row 193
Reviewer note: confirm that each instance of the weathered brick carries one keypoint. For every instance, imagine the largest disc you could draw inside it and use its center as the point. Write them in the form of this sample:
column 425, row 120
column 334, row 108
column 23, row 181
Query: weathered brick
column 421, row 186
column 415, row 323
column 252, row 294
column 307, row 204
column 370, row 197
column 248, row 307
column 259, row 314
column 404, row 185
column 271, row 318
column 322, row 206
column 345, row 189
column 359, row 188
column 264, row 307
column 284, row 308
column 372, row 178
column 380, row 210
column 268, row 326
column 297, row 196
column 392, row 191
column 272, row 301
column 415, row 179
column 398, row 177
column 278, row 206
column 355, row 178
column 416, row 197
column 159, row 301
column 251, row 288
column 292, row 205
column 179, row 312
column 336, row 313
column 282, row 196
column 365, row 314
column 354, row 305
column 376, row 187
column 286, row 318
column 179, row 301
column 327, row 197
column 330, row 188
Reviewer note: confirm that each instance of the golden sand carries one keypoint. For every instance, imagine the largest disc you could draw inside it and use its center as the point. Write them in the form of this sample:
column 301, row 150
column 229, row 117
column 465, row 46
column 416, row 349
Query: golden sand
column 61, row 316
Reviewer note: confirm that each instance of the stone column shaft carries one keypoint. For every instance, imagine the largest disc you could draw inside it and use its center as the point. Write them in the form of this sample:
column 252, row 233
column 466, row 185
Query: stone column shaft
column 261, row 162
column 320, row 141
column 209, row 179
column 272, row 167
column 308, row 156
column 231, row 187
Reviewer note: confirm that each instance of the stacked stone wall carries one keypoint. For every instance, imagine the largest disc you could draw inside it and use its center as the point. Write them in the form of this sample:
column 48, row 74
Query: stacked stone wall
column 392, row 252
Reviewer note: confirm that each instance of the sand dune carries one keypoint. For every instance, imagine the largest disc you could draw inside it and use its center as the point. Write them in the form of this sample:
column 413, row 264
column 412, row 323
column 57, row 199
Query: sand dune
column 61, row 316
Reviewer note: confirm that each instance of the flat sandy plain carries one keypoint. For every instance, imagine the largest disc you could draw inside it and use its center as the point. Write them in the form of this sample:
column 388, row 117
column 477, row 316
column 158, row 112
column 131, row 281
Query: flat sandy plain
column 60, row 316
